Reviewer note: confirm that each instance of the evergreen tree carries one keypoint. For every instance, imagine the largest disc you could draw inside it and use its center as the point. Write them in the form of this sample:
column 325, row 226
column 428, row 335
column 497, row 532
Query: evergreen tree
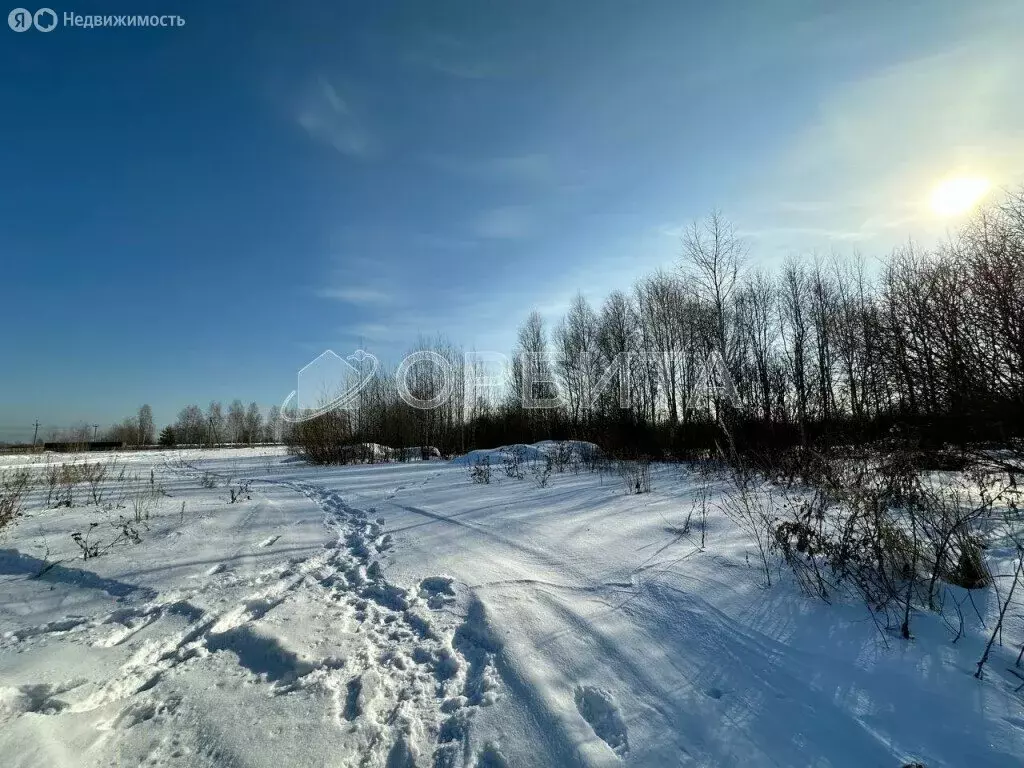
column 167, row 436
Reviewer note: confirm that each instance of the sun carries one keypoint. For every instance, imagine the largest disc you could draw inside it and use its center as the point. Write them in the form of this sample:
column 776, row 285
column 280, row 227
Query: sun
column 957, row 196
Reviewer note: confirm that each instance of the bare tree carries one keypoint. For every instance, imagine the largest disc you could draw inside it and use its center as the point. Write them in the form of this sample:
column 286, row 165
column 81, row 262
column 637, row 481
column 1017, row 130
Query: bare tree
column 760, row 330
column 190, row 426
column 795, row 331
column 214, row 423
column 713, row 257
column 147, row 431
column 576, row 358
column 234, row 428
column 618, row 342
column 272, row 429
column 253, row 430
column 532, row 378
column 659, row 298
column 934, row 344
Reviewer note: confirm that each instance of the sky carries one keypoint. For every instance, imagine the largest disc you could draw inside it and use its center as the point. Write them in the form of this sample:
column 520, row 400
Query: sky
column 193, row 213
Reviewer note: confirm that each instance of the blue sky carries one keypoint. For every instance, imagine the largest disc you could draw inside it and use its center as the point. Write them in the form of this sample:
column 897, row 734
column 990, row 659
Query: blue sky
column 193, row 213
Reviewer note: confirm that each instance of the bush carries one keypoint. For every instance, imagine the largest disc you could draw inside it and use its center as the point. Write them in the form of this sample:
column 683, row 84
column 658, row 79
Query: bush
column 541, row 472
column 322, row 440
column 513, row 465
column 13, row 488
column 237, row 494
column 970, row 571
column 480, row 472
column 636, row 475
column 875, row 523
column 561, row 455
column 943, row 460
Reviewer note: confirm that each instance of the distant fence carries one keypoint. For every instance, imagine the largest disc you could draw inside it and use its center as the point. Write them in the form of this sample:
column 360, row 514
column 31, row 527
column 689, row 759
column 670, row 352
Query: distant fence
column 92, row 445
column 9, row 449
column 199, row 445
column 106, row 445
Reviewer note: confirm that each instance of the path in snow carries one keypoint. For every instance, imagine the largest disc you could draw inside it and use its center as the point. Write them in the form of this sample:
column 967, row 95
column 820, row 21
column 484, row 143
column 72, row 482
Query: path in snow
column 622, row 642
column 399, row 685
column 399, row 615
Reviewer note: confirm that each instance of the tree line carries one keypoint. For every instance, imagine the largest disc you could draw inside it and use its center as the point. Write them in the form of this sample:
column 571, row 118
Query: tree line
column 821, row 349
column 240, row 424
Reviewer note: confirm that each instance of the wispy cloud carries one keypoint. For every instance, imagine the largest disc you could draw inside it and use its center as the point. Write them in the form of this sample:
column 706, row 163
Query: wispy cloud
column 866, row 164
column 510, row 222
column 671, row 230
column 328, row 117
column 806, row 206
column 453, row 57
column 355, row 295
column 369, row 331
column 795, row 233
column 398, row 333
column 526, row 168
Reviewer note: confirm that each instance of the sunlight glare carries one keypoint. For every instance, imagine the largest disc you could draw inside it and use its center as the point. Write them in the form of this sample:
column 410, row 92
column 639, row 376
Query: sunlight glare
column 957, row 196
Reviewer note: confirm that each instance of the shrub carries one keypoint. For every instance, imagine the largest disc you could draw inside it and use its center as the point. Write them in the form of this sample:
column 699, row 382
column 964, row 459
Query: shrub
column 943, row 460
column 242, row 491
column 480, row 472
column 541, row 474
column 636, row 475
column 875, row 523
column 970, row 571
column 322, row 440
column 513, row 464
column 89, row 549
column 140, row 505
column 13, row 488
column 561, row 455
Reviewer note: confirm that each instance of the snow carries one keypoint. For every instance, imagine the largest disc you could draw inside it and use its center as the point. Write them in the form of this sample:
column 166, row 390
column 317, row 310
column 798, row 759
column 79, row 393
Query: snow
column 398, row 615
column 577, row 449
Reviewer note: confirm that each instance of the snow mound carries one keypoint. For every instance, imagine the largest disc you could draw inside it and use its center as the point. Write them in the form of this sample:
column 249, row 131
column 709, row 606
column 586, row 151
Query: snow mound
column 573, row 449
column 498, row 455
column 420, row 453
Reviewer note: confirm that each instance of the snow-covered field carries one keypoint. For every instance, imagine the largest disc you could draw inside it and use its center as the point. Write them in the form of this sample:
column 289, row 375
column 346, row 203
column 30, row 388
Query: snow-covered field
column 399, row 615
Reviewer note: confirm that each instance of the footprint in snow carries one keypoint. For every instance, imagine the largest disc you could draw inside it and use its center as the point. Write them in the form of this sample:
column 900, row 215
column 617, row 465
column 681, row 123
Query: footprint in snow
column 437, row 591
column 490, row 757
column 39, row 699
column 597, row 706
